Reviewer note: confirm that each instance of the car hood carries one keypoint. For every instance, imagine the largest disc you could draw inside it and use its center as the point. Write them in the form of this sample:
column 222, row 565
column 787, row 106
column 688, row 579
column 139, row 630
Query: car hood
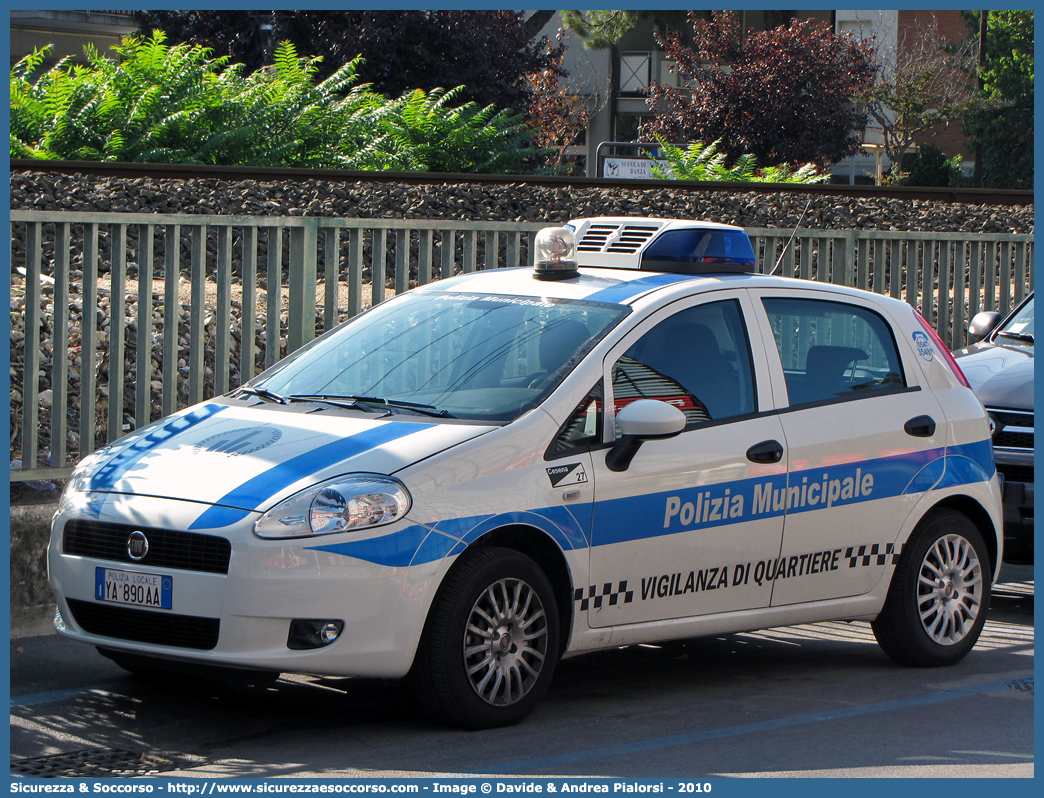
column 1001, row 376
column 251, row 457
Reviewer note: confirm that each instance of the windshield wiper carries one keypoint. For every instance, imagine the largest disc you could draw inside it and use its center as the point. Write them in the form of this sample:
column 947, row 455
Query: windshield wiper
column 348, row 402
column 425, row 410
column 264, row 393
column 1021, row 336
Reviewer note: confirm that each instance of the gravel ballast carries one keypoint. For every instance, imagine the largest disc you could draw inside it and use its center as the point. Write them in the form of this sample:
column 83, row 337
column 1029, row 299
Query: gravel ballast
column 504, row 202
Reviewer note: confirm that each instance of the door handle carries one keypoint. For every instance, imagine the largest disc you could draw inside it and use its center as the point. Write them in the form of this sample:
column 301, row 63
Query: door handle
column 920, row 427
column 765, row 452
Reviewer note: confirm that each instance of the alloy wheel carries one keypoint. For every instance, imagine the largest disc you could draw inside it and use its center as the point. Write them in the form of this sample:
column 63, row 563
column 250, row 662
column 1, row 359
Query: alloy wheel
column 950, row 589
column 505, row 642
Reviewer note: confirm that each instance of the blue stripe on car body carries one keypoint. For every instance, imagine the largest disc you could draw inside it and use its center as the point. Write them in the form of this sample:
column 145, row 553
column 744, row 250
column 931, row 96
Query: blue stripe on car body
column 557, row 522
column 625, row 291
column 980, row 452
column 561, row 526
column 395, row 551
column 914, row 472
column 619, row 293
column 256, row 491
column 760, row 497
column 109, row 474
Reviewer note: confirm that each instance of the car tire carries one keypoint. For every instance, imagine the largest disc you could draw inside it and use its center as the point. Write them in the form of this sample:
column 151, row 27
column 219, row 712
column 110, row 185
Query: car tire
column 490, row 644
column 939, row 595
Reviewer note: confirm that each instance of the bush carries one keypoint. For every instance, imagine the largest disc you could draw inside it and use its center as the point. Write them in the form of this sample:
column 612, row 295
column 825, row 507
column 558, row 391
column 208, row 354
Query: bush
column 162, row 104
column 930, row 167
column 700, row 161
column 428, row 134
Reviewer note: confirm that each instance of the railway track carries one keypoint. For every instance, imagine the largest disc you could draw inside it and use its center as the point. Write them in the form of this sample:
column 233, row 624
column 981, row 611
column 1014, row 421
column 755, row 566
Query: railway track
column 973, row 196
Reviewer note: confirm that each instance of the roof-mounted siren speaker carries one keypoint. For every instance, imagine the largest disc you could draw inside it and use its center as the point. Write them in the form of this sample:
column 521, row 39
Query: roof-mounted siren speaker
column 555, row 257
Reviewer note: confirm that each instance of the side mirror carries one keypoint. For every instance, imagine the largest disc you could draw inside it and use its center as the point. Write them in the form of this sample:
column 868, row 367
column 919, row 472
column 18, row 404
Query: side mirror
column 640, row 421
column 983, row 323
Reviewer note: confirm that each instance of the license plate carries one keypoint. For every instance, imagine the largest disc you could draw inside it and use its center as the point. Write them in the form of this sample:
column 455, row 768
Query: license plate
column 131, row 587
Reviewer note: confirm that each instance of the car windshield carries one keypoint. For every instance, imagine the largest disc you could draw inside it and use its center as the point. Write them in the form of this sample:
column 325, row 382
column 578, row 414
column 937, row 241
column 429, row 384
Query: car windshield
column 482, row 357
column 1020, row 325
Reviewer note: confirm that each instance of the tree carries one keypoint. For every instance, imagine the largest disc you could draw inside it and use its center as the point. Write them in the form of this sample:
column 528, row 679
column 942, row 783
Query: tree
column 600, row 29
column 924, row 83
column 782, row 95
column 490, row 53
column 1001, row 116
column 558, row 116
column 535, row 23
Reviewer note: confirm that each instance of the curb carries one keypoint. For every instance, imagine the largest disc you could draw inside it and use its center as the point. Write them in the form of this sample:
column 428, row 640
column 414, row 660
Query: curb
column 32, row 602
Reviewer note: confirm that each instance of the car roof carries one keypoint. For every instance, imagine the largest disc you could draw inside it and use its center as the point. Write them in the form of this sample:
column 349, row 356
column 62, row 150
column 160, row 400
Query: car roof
column 618, row 286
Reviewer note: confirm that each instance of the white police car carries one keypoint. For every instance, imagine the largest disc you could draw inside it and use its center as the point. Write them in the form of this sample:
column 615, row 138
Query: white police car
column 488, row 473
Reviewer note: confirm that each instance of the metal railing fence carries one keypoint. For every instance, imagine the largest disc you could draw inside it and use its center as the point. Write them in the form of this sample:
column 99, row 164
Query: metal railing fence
column 245, row 291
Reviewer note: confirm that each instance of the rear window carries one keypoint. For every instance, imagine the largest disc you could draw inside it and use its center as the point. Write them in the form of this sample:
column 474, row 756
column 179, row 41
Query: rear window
column 833, row 351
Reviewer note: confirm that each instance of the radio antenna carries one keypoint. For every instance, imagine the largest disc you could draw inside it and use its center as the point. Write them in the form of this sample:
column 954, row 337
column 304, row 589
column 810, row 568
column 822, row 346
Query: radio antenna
column 791, row 241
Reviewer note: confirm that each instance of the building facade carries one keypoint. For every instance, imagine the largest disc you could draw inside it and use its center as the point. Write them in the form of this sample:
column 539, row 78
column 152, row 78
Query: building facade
column 612, row 81
column 67, row 31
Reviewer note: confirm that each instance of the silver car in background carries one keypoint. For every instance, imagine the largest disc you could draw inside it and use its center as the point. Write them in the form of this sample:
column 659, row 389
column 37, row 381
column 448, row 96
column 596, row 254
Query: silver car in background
column 1000, row 370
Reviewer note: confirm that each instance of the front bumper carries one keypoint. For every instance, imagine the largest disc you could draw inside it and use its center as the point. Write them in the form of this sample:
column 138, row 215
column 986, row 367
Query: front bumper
column 1017, row 469
column 242, row 618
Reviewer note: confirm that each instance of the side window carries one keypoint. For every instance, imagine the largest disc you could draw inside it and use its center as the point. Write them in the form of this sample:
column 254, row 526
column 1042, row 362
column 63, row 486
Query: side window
column 831, row 350
column 584, row 427
column 698, row 360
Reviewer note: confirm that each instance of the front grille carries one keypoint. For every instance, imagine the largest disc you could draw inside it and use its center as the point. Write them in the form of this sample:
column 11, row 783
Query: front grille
column 143, row 626
column 1013, row 430
column 187, row 551
column 1008, row 439
column 1015, row 473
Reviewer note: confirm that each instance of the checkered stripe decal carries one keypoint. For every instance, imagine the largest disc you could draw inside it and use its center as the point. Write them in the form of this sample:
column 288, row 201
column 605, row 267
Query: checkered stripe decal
column 874, row 554
column 594, row 599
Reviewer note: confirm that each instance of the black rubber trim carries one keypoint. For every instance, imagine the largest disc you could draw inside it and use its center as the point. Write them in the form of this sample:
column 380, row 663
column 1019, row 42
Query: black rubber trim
column 144, row 626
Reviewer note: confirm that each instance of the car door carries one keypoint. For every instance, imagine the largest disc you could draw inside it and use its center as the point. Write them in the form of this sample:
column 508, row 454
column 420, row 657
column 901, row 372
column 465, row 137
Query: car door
column 858, row 428
column 674, row 534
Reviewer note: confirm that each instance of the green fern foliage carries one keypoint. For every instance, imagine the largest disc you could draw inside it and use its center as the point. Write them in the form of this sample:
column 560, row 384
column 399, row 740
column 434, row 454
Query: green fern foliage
column 177, row 104
column 426, row 132
column 702, row 161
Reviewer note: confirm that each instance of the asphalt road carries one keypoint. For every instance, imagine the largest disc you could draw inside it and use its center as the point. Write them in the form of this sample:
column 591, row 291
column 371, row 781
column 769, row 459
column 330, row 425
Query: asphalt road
column 815, row 700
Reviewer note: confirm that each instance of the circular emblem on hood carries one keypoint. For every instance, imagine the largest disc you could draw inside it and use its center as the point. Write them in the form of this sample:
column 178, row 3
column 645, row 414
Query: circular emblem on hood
column 235, row 442
column 137, row 545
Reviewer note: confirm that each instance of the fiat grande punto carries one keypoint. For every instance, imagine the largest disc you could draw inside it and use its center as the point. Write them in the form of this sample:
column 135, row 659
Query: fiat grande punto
column 639, row 439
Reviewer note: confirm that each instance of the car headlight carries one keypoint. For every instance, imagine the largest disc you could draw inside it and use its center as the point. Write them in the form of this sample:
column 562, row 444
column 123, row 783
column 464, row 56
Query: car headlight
column 342, row 504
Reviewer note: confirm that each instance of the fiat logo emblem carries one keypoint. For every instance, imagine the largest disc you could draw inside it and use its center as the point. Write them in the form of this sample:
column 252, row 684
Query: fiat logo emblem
column 137, row 545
